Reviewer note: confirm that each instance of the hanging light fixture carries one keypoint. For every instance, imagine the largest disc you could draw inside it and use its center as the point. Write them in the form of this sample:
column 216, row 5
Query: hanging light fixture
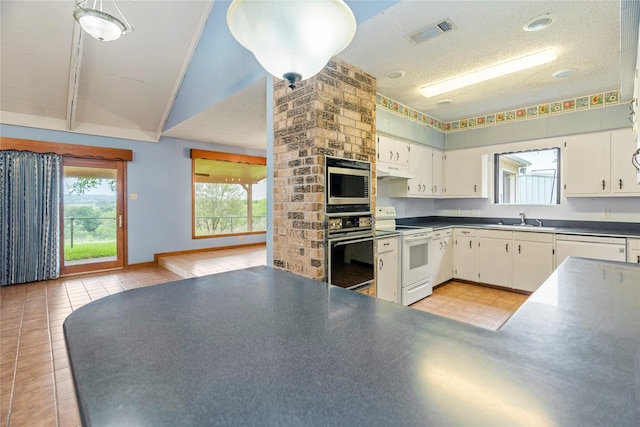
column 292, row 40
column 101, row 25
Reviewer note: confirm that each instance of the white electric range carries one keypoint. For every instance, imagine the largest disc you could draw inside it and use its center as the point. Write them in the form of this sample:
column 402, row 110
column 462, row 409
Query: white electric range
column 416, row 273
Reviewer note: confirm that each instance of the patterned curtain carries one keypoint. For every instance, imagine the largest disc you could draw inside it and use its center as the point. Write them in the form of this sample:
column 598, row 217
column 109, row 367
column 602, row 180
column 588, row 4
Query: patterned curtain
column 29, row 216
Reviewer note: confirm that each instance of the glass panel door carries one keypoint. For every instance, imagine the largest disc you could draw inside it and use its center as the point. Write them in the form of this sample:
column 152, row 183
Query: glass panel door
column 92, row 215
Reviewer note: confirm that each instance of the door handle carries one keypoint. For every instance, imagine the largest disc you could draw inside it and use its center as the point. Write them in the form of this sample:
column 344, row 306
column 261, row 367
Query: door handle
column 120, row 221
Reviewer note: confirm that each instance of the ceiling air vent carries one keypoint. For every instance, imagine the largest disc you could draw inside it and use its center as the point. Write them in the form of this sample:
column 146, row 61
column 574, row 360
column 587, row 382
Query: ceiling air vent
column 431, row 31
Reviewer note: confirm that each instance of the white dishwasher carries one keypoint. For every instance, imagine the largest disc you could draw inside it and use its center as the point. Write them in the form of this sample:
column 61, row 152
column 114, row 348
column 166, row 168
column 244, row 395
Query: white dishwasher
column 598, row 247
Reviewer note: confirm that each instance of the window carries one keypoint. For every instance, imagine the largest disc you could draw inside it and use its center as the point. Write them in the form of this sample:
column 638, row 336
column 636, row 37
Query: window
column 528, row 177
column 229, row 194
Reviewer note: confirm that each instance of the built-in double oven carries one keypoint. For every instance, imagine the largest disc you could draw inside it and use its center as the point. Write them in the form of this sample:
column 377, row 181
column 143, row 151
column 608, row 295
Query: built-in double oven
column 350, row 236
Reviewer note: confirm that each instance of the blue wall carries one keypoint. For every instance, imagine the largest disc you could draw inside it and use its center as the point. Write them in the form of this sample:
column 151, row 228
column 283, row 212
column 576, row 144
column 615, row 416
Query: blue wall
column 160, row 174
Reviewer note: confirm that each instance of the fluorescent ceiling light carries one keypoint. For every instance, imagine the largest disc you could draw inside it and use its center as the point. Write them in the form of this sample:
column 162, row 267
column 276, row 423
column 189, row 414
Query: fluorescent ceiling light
column 489, row 73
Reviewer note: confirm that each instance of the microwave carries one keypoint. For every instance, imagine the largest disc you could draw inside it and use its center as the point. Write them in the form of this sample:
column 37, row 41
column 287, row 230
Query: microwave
column 347, row 185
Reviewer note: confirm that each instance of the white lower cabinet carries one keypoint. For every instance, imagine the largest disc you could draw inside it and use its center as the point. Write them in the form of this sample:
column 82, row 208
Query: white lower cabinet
column 517, row 260
column 465, row 254
column 388, row 270
column 495, row 265
column 441, row 256
column 633, row 251
column 533, row 256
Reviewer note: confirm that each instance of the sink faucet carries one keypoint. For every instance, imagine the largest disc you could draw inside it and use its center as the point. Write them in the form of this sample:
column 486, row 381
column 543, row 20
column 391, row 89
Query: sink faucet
column 539, row 222
column 522, row 221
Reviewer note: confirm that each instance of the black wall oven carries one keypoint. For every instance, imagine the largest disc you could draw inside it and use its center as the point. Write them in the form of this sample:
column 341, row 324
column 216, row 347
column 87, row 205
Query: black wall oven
column 350, row 251
column 347, row 186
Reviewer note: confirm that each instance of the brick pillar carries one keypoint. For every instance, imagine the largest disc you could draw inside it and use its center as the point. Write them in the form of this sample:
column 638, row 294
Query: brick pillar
column 332, row 113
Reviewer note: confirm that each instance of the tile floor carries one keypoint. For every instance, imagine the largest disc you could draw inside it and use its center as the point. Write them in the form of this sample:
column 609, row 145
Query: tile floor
column 36, row 388
column 478, row 305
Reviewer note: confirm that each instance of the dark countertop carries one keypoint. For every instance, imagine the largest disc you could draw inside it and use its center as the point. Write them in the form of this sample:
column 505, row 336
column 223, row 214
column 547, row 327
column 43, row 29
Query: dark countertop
column 265, row 347
column 595, row 228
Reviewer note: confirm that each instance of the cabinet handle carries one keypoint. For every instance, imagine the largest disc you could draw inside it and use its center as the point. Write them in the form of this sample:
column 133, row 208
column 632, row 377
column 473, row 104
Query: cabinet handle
column 475, row 188
column 440, row 245
column 435, row 188
column 390, row 155
column 603, row 184
column 519, row 249
column 638, row 259
column 397, row 155
column 621, row 183
column 507, row 247
column 445, row 246
column 381, row 264
column 470, row 245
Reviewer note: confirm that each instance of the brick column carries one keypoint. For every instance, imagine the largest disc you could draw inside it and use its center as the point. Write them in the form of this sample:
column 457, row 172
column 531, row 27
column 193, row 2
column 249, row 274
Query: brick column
column 332, row 113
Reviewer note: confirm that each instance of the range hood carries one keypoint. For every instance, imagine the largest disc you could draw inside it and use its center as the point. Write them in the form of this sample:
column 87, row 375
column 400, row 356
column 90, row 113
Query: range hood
column 386, row 171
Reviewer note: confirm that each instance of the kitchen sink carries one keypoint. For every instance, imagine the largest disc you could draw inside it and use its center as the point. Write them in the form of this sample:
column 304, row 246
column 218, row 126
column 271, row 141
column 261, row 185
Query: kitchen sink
column 527, row 227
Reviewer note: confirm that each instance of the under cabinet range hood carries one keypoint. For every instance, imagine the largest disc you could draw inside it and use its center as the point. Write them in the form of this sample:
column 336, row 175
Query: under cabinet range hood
column 386, row 172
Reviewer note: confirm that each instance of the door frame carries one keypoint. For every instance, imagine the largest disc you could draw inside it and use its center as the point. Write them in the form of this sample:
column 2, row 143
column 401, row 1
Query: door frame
column 121, row 212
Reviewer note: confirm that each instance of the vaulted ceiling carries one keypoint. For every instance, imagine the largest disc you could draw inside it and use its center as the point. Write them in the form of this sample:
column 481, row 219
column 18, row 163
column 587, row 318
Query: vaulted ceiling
column 164, row 79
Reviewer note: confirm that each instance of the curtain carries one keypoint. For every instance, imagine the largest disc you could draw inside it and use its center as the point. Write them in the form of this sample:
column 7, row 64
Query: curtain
column 29, row 216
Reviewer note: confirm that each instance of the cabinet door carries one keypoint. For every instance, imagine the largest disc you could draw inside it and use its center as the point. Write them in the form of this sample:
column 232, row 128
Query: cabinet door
column 464, row 172
column 623, row 174
column 417, row 168
column 387, row 281
column 495, row 261
column 447, row 261
column 386, row 149
column 532, row 264
column 587, row 164
column 401, row 150
column 436, row 253
column 465, row 258
column 436, row 172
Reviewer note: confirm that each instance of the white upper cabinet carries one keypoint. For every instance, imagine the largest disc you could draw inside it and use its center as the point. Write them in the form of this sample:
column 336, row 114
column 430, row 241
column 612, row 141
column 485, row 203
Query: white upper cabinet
column 420, row 168
column 599, row 164
column 425, row 169
column 393, row 151
column 465, row 173
column 623, row 173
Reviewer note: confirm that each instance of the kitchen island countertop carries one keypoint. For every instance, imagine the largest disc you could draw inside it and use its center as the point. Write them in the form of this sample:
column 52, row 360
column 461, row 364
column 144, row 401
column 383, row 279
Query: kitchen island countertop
column 264, row 347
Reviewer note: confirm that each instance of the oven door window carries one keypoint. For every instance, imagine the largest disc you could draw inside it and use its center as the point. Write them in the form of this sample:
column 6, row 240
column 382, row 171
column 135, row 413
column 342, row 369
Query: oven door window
column 418, row 255
column 351, row 264
column 347, row 186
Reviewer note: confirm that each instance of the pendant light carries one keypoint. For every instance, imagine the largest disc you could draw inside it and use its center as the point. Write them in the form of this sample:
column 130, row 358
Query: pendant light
column 292, row 40
column 101, row 25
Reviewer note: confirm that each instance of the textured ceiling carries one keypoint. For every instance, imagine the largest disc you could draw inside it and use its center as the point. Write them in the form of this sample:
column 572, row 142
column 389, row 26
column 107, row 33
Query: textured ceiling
column 54, row 77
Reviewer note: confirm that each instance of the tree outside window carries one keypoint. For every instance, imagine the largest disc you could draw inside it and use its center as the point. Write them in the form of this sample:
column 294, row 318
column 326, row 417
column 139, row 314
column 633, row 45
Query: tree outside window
column 229, row 194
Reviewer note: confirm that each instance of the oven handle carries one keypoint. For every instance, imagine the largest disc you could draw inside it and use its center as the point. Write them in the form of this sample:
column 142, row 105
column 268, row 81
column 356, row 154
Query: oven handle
column 348, row 242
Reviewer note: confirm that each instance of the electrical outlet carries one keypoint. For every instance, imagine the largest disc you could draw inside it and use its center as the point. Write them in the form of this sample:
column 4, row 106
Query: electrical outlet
column 475, row 211
column 133, row 196
column 606, row 214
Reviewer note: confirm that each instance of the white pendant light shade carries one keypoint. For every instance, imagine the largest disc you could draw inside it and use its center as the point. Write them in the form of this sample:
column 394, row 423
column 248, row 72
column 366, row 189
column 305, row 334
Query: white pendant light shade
column 101, row 25
column 295, row 39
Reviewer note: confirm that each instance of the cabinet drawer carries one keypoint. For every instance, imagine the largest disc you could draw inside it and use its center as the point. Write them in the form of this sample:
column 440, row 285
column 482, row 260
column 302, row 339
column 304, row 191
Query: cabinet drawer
column 495, row 234
column 465, row 232
column 529, row 236
column 438, row 234
column 633, row 244
column 387, row 244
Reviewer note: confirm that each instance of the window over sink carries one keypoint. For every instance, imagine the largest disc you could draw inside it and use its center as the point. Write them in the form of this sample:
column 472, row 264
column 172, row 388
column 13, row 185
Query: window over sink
column 527, row 177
